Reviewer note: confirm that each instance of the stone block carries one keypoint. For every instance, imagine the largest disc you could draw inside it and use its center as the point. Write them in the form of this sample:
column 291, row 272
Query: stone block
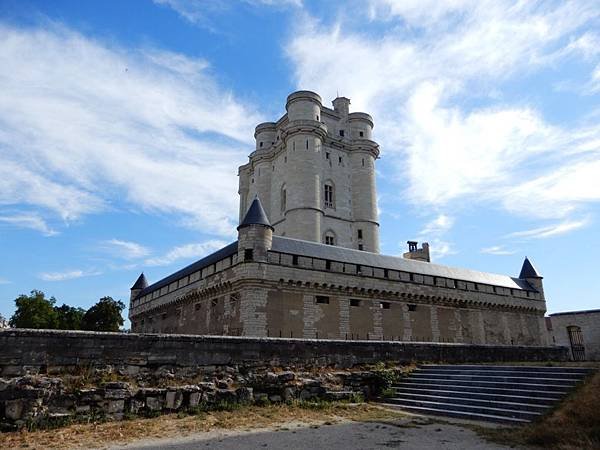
column 245, row 394
column 195, row 398
column 154, row 403
column 173, row 399
column 285, row 377
column 13, row 409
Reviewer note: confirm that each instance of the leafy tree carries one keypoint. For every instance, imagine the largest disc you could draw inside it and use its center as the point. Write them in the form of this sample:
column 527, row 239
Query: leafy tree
column 69, row 317
column 104, row 315
column 34, row 311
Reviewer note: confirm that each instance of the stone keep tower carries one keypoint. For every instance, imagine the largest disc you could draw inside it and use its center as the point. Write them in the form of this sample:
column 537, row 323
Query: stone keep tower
column 314, row 172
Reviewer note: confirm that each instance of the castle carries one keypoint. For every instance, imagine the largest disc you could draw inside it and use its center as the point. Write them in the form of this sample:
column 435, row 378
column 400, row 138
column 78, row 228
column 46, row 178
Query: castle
column 306, row 263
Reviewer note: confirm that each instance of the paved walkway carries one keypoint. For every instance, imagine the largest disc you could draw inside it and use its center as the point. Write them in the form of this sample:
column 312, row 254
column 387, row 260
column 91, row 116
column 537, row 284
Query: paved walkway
column 402, row 434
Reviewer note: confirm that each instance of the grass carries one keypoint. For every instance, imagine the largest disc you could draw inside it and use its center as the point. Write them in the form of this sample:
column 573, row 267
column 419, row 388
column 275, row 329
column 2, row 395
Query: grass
column 574, row 424
column 79, row 436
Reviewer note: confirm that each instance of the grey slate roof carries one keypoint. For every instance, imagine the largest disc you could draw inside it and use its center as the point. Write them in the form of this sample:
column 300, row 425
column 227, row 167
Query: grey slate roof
column 255, row 216
column 570, row 313
column 226, row 251
column 141, row 282
column 528, row 271
column 347, row 255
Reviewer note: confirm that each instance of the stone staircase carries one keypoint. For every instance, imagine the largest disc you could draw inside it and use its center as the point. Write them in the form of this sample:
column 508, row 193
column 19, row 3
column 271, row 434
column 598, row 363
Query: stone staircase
column 505, row 394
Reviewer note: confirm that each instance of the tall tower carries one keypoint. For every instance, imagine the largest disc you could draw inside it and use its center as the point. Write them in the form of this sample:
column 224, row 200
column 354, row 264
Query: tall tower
column 314, row 171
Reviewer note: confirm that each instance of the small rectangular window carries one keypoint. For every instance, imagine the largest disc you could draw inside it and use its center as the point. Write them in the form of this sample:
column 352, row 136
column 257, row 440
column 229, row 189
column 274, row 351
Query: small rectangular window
column 248, row 254
column 360, row 235
column 386, row 274
column 354, row 302
column 164, row 316
column 261, row 144
column 197, row 306
column 339, row 160
column 327, row 155
column 328, row 265
column 342, row 133
column 412, row 307
column 360, row 247
column 295, row 260
column 361, row 134
column 384, row 305
column 322, row 299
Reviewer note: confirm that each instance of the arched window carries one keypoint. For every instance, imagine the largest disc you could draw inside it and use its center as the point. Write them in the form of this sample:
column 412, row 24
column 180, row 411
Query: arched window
column 329, row 194
column 283, row 198
column 329, row 238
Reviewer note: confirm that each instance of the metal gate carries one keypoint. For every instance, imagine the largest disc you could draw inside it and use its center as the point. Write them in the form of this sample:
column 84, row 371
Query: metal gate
column 577, row 347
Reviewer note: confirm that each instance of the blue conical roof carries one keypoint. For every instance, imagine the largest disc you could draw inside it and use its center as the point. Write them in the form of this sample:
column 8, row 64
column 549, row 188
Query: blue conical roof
column 141, row 282
column 255, row 216
column 528, row 271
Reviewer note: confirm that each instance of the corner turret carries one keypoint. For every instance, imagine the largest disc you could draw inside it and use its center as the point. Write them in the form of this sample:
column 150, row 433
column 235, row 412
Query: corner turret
column 416, row 253
column 140, row 284
column 530, row 274
column 255, row 234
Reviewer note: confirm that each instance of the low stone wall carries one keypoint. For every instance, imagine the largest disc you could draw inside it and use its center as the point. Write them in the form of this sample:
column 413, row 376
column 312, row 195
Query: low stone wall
column 52, row 352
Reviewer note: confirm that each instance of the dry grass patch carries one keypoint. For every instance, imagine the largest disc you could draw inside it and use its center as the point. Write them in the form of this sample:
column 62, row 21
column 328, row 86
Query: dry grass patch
column 96, row 435
column 574, row 424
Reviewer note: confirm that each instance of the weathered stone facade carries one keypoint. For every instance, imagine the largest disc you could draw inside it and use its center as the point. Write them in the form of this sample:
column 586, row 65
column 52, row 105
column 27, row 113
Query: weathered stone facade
column 269, row 284
column 564, row 327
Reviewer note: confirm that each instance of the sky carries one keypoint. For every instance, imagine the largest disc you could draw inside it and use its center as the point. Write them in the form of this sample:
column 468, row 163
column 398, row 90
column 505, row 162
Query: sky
column 122, row 125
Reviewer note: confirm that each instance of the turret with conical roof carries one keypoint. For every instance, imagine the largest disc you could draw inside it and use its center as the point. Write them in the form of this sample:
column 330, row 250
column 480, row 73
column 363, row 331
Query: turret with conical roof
column 140, row 284
column 530, row 274
column 255, row 234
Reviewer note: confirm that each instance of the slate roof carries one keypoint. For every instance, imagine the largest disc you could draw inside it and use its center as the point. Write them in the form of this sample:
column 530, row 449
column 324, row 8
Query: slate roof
column 141, row 282
column 528, row 271
column 255, row 216
column 348, row 255
column 569, row 313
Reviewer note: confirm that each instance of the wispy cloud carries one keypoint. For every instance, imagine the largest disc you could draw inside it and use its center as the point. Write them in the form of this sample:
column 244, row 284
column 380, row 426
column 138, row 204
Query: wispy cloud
column 67, row 275
column 4, row 281
column 426, row 75
column 112, row 127
column 186, row 252
column 30, row 221
column 550, row 230
column 497, row 250
column 124, row 249
column 438, row 226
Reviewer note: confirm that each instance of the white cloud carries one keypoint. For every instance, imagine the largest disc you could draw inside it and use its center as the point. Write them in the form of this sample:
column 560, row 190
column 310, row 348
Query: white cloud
column 86, row 127
column 497, row 250
column 125, row 249
column 67, row 275
column 439, row 248
column 438, row 226
column 4, row 281
column 30, row 221
column 550, row 230
column 433, row 80
column 186, row 252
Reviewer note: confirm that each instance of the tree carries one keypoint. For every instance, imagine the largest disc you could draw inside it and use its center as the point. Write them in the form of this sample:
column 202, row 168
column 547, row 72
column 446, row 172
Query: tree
column 3, row 322
column 69, row 317
column 34, row 311
column 104, row 315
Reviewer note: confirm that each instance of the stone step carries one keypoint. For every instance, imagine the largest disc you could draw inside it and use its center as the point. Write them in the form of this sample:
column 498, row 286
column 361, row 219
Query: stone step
column 536, row 379
column 492, row 384
column 487, row 410
column 511, row 373
column 484, row 390
column 542, row 401
column 580, row 370
column 460, row 415
column 503, row 404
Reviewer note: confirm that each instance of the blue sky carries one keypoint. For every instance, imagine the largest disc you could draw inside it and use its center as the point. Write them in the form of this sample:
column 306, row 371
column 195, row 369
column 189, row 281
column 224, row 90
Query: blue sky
column 122, row 125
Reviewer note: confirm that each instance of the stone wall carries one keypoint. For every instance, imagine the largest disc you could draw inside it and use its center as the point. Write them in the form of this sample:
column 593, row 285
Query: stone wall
column 47, row 351
column 587, row 321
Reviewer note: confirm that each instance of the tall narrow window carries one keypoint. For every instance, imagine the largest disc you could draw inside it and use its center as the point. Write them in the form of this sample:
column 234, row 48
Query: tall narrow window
column 329, row 201
column 307, row 144
column 360, row 235
column 329, row 238
column 283, row 198
column 361, row 134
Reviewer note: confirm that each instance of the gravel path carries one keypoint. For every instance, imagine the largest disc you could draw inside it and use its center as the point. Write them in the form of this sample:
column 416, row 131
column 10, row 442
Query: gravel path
column 402, row 434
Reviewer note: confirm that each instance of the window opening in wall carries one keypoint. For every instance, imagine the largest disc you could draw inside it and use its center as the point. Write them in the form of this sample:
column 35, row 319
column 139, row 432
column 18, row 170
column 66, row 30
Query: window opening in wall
column 327, row 155
column 361, row 133
column 354, row 302
column 197, row 306
column 252, row 180
column 164, row 316
column 307, row 144
column 261, row 144
column 329, row 240
column 294, row 145
column 386, row 273
column 358, row 269
column 384, row 305
column 327, row 265
column 322, row 299
column 342, row 133
column 339, row 160
column 328, row 196
column 360, row 235
column 248, row 254
column 283, row 199
column 317, row 117
column 360, row 247
column 412, row 307
column 285, row 159
column 273, row 169
column 363, row 162
column 411, row 276
column 295, row 260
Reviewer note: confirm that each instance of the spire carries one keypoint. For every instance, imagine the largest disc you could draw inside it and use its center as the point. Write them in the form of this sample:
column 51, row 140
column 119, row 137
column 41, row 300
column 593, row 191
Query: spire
column 528, row 271
column 141, row 282
column 255, row 216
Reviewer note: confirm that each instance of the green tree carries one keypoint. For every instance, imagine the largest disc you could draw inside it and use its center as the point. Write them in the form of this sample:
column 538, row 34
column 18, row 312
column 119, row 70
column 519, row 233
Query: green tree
column 34, row 311
column 104, row 315
column 69, row 317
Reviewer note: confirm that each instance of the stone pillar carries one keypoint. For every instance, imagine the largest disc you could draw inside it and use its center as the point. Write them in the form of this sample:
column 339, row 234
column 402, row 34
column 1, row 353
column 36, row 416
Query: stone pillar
column 253, row 316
